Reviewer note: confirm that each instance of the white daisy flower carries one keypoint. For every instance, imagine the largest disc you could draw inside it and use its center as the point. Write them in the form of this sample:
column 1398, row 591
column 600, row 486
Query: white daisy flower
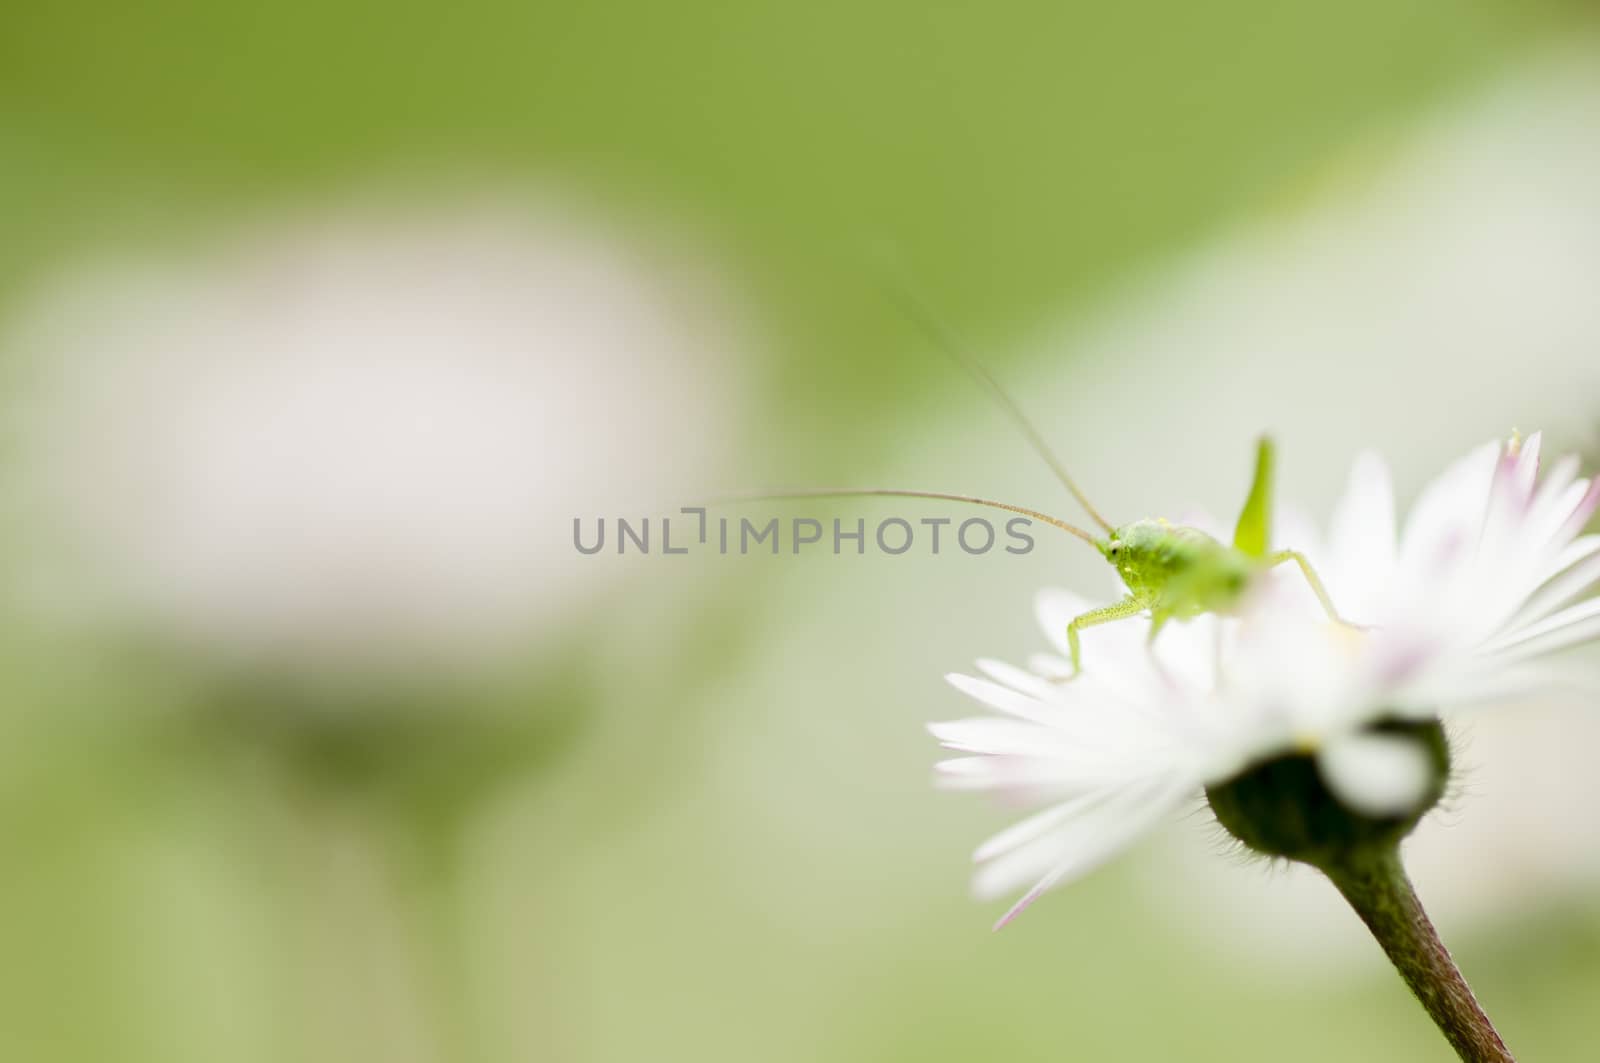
column 352, row 443
column 1464, row 605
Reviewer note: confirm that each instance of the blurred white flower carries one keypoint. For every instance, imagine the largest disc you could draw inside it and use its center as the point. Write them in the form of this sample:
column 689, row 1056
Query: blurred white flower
column 357, row 442
column 1465, row 606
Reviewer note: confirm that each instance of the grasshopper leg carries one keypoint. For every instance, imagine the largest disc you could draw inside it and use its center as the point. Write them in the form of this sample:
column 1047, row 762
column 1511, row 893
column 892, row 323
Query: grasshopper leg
column 1314, row 581
column 1129, row 606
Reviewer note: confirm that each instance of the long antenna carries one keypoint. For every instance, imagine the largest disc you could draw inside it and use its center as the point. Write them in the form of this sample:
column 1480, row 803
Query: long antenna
column 944, row 337
column 851, row 492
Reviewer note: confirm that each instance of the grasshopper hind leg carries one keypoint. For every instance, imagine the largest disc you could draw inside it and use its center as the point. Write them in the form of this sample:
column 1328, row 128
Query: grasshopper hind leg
column 1279, row 557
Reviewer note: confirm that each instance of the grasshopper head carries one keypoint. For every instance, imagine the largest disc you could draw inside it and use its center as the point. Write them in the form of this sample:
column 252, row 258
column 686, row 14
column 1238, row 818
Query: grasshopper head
column 1134, row 551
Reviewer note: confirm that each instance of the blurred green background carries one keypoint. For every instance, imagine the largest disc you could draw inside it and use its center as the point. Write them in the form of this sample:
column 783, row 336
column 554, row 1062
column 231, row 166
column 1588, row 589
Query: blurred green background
column 599, row 865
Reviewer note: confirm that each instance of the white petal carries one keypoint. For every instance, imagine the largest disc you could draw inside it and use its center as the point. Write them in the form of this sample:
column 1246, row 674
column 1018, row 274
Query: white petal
column 1558, row 495
column 1571, row 622
column 1380, row 775
column 992, row 735
column 1099, row 833
column 1007, row 873
column 1452, row 503
column 1098, row 740
column 1050, row 666
column 1584, row 546
column 1583, row 510
column 1557, row 592
column 1527, row 468
column 1576, row 627
column 1019, row 679
column 1002, row 773
column 1032, row 828
column 1506, row 510
column 1465, row 690
column 1361, row 535
column 1002, row 698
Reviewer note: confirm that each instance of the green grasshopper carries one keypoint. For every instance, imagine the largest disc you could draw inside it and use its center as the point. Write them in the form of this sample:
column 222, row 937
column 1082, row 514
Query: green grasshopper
column 1177, row 572
column 1172, row 572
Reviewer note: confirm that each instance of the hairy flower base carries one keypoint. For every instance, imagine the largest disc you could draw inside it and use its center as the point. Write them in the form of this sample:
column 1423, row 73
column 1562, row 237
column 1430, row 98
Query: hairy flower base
column 1283, row 807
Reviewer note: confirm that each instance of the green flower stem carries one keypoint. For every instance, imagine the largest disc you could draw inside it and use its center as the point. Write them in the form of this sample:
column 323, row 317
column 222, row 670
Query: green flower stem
column 1374, row 881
